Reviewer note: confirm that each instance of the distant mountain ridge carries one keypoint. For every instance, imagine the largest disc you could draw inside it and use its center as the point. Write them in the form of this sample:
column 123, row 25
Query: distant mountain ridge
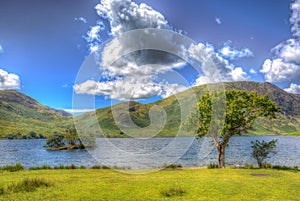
column 289, row 103
column 21, row 115
column 286, row 122
column 13, row 96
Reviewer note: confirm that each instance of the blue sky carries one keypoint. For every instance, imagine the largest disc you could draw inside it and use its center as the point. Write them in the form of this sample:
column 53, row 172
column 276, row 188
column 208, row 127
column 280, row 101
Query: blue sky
column 42, row 45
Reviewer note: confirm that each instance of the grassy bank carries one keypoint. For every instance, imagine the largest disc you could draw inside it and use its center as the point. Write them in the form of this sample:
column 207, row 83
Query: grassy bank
column 187, row 184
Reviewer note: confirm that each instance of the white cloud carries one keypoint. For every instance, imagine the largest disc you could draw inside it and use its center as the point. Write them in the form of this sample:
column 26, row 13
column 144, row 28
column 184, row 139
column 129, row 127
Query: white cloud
column 131, row 87
column 294, row 88
column 231, row 53
column 74, row 111
column 134, row 75
column 137, row 74
column 284, row 66
column 8, row 80
column 218, row 71
column 278, row 70
column 295, row 18
column 125, row 15
column 218, row 20
column 1, row 49
column 80, row 19
column 252, row 71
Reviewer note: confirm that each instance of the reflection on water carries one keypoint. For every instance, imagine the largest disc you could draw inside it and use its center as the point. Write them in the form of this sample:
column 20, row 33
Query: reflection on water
column 153, row 152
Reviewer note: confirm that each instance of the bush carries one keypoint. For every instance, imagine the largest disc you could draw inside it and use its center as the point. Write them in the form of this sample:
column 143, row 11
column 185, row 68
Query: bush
column 43, row 167
column 212, row 166
column 172, row 166
column 96, row 167
column 250, row 166
column 262, row 150
column 11, row 168
column 173, row 191
column 283, row 167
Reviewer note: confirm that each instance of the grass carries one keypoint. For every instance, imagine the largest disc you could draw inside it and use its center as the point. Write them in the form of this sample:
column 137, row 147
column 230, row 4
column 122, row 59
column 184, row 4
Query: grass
column 26, row 185
column 185, row 184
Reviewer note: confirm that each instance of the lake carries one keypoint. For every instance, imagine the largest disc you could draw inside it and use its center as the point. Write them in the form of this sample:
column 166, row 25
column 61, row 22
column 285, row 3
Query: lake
column 147, row 153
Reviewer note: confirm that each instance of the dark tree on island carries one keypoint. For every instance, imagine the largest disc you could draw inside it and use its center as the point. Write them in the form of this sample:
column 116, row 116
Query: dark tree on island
column 241, row 109
column 69, row 140
column 263, row 150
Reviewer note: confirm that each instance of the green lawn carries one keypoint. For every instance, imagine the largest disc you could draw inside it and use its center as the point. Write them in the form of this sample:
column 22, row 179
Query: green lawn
column 196, row 184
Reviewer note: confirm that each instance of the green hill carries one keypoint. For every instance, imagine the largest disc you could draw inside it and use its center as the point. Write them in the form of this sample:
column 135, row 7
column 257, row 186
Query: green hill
column 23, row 117
column 287, row 122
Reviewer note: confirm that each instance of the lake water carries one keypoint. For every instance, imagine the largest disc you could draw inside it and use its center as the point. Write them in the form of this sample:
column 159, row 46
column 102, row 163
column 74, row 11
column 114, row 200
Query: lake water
column 147, row 153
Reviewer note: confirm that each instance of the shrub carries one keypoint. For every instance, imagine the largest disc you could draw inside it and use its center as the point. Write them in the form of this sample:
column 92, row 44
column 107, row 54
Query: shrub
column 212, row 166
column 172, row 166
column 173, row 191
column 262, row 150
column 11, row 168
column 250, row 166
column 96, row 167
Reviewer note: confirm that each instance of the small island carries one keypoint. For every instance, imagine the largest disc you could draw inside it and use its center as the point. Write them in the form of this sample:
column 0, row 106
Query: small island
column 68, row 141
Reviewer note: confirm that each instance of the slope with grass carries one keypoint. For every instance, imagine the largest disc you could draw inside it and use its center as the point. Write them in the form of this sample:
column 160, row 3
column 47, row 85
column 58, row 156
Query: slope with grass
column 23, row 117
column 288, row 121
column 186, row 184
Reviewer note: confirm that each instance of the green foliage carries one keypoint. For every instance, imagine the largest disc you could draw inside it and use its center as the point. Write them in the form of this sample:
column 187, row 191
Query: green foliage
column 212, row 166
column 262, row 150
column 12, row 168
column 250, row 166
column 173, row 191
column 172, row 166
column 55, row 140
column 241, row 109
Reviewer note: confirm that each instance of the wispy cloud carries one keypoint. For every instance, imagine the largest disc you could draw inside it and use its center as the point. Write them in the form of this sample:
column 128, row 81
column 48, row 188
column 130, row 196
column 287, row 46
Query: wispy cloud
column 222, row 70
column 1, row 49
column 81, row 19
column 232, row 53
column 252, row 71
column 218, row 20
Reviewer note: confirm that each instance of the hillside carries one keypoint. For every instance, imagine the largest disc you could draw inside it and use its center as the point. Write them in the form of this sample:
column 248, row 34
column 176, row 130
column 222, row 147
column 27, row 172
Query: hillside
column 23, row 117
column 286, row 122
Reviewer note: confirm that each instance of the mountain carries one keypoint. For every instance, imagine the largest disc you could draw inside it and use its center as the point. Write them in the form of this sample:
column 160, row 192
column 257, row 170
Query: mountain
column 23, row 117
column 287, row 121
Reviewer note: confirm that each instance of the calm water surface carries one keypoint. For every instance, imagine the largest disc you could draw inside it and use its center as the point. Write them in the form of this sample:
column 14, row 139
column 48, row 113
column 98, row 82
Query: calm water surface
column 144, row 153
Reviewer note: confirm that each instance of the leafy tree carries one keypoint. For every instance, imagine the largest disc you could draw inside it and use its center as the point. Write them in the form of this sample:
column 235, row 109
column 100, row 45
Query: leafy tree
column 241, row 110
column 72, row 136
column 262, row 150
column 55, row 140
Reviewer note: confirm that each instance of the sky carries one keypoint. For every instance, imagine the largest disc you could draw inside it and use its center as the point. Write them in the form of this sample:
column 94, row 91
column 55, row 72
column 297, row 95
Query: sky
column 44, row 43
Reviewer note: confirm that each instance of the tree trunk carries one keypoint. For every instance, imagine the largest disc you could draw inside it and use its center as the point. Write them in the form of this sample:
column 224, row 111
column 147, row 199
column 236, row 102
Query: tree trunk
column 221, row 156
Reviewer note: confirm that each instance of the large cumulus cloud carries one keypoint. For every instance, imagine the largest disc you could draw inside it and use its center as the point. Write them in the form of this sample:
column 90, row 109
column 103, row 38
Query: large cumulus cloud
column 284, row 66
column 137, row 74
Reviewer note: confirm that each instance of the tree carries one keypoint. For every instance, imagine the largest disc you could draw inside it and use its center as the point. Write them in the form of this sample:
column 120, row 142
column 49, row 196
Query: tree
column 71, row 136
column 262, row 150
column 241, row 110
column 55, row 140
